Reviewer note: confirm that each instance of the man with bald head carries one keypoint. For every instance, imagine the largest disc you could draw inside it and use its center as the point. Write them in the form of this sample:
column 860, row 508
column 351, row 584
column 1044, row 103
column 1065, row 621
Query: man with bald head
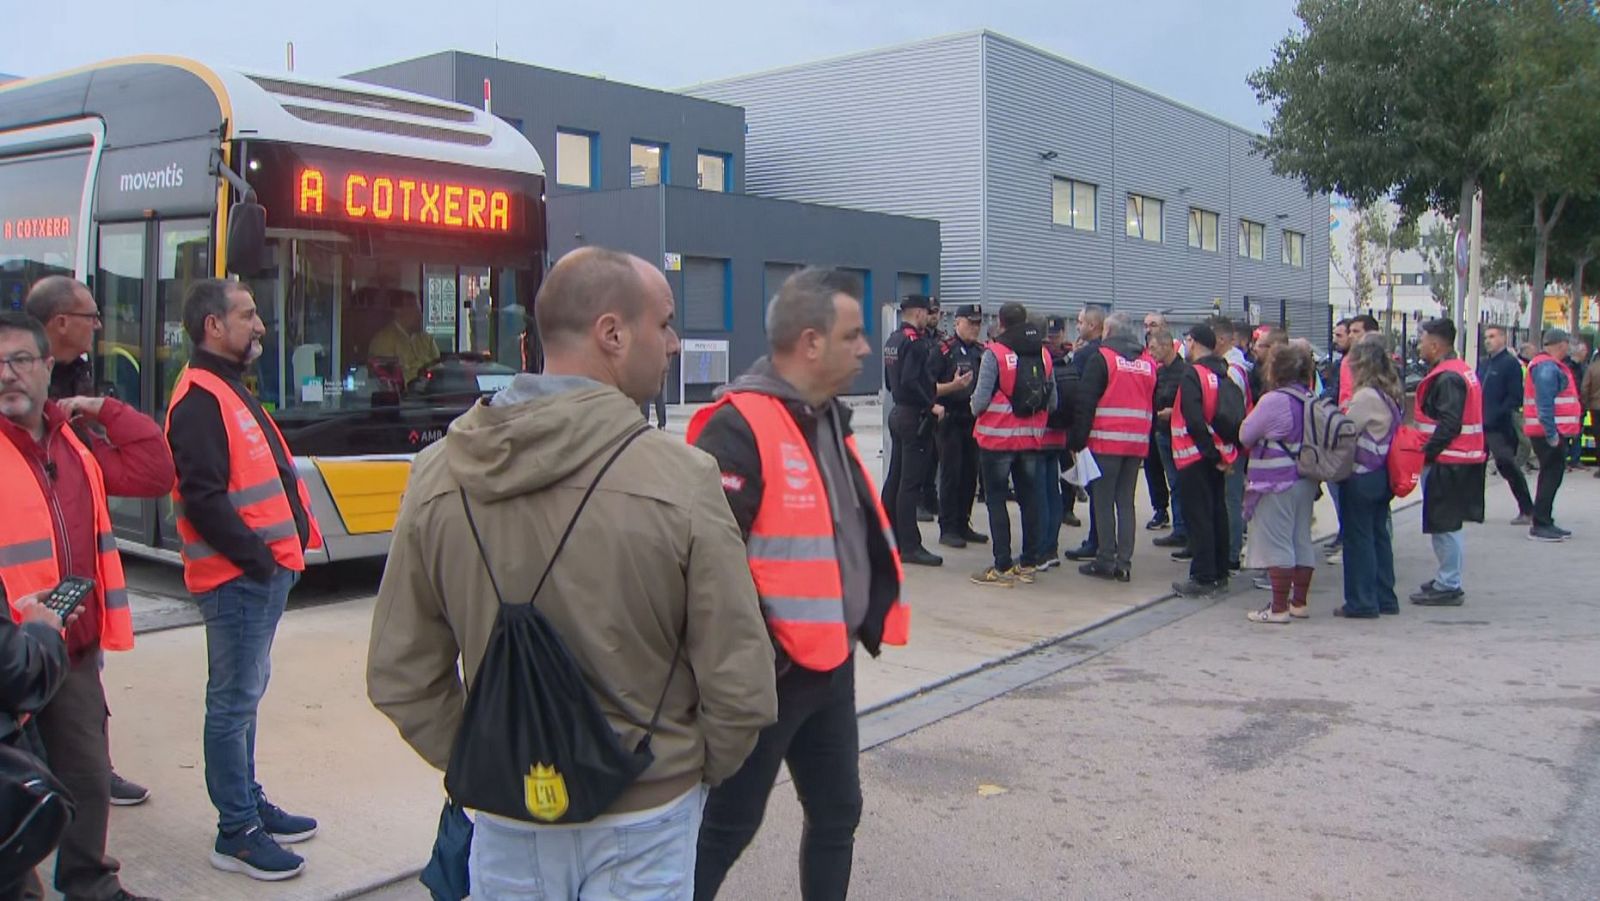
column 652, row 595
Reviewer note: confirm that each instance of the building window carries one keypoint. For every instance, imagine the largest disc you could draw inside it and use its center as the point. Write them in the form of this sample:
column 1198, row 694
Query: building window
column 576, row 160
column 1073, row 204
column 1252, row 240
column 1203, row 230
column 714, row 172
column 647, row 164
column 1294, row 249
column 1144, row 217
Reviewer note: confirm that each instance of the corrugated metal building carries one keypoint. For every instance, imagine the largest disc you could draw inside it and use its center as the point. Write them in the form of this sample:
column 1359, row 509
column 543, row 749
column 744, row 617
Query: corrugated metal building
column 1055, row 185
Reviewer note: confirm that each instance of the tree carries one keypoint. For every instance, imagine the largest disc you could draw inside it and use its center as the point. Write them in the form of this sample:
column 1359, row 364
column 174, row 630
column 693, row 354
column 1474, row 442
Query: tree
column 1545, row 138
column 1378, row 98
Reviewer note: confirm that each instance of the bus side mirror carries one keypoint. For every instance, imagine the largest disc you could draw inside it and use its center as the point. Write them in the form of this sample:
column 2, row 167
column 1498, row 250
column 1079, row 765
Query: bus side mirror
column 247, row 237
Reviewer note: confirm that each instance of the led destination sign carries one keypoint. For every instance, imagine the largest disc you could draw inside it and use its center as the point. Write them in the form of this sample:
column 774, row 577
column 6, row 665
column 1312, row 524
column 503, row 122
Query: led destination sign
column 372, row 195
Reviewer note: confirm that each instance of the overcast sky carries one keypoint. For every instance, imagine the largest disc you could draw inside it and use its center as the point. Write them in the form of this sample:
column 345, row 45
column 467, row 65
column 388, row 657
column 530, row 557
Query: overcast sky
column 1194, row 51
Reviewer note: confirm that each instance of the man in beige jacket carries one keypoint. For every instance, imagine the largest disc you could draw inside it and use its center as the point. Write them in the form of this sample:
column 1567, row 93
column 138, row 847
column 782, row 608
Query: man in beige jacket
column 656, row 553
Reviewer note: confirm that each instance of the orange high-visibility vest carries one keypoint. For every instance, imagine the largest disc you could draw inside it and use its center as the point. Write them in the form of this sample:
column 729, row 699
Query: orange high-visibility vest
column 29, row 559
column 1122, row 420
column 792, row 553
column 1347, row 383
column 1185, row 452
column 998, row 427
column 254, row 487
column 1468, row 447
column 1569, row 410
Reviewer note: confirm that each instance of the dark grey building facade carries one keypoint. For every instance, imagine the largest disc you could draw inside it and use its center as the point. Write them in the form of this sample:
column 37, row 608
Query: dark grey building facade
column 662, row 176
column 1055, row 185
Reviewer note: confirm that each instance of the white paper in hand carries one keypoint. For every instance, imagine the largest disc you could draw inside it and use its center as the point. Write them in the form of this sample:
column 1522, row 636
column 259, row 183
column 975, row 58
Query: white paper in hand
column 1084, row 469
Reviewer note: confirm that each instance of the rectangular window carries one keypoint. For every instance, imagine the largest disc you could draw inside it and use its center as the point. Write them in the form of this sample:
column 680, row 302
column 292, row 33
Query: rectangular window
column 576, row 160
column 1294, row 249
column 1073, row 204
column 1252, row 240
column 647, row 164
column 707, row 303
column 1202, row 229
column 1144, row 217
column 714, row 172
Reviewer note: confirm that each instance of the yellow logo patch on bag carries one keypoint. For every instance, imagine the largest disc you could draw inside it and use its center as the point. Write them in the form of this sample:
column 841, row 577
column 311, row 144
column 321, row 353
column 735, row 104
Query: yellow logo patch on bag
column 545, row 793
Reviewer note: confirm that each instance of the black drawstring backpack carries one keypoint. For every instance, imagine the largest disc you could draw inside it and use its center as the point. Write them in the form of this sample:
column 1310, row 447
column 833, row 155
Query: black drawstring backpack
column 533, row 744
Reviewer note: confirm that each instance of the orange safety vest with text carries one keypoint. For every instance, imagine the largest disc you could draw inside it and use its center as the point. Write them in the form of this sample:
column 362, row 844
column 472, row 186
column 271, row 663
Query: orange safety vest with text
column 254, row 487
column 29, row 559
column 1569, row 410
column 1122, row 420
column 998, row 427
column 791, row 550
column 1185, row 452
column 1468, row 447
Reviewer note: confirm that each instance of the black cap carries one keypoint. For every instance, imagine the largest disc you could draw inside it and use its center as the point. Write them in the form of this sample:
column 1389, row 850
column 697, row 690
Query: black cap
column 969, row 311
column 1055, row 324
column 916, row 302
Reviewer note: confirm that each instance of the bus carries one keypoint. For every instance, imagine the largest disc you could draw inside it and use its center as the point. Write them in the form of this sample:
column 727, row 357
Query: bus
column 394, row 244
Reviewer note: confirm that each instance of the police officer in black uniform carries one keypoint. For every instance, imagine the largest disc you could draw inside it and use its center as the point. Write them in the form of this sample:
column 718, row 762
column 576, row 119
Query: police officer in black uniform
column 961, row 354
column 928, row 504
column 903, row 334
column 912, row 380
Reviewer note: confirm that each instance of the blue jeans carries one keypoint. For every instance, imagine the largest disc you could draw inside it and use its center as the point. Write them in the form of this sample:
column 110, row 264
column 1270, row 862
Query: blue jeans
column 1368, row 544
column 1233, row 494
column 1021, row 469
column 1164, row 446
column 651, row 857
column 1449, row 548
column 241, row 619
column 1051, row 509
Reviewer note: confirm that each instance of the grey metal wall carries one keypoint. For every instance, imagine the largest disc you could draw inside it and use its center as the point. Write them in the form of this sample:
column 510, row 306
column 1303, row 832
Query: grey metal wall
column 545, row 100
column 895, row 131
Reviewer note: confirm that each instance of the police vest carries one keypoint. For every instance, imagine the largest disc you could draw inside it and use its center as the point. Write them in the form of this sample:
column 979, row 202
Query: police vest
column 1122, row 420
column 1468, row 447
column 791, row 550
column 999, row 428
column 1569, row 410
column 255, row 488
column 29, row 559
column 1185, row 452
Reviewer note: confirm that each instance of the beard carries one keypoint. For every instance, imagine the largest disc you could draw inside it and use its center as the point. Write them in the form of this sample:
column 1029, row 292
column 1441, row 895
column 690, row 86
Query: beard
column 252, row 353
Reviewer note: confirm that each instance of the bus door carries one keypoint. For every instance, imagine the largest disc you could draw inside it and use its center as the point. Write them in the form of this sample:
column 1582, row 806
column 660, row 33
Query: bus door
column 142, row 270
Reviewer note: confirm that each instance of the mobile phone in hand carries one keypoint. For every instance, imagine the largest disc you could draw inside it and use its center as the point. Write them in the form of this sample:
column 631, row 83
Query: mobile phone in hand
column 66, row 596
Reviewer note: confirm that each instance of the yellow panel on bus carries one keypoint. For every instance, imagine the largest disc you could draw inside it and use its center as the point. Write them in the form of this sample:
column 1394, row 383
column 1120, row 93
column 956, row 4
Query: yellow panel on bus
column 366, row 492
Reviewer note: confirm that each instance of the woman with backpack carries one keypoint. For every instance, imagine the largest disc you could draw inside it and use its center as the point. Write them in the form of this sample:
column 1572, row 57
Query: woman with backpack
column 1278, row 501
column 1368, row 541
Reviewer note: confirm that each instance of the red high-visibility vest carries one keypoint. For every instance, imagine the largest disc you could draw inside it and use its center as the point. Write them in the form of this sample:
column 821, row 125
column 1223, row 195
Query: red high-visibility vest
column 29, row 559
column 1468, row 447
column 1569, row 410
column 254, row 487
column 792, row 553
column 998, row 427
column 1121, row 425
column 1347, row 383
column 1184, row 451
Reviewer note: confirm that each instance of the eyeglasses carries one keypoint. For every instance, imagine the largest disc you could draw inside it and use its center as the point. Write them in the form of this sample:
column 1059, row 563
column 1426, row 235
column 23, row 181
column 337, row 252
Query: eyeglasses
column 95, row 315
column 22, row 364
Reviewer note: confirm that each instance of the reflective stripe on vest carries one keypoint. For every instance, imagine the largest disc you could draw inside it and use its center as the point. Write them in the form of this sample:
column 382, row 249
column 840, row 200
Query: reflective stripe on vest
column 1274, row 464
column 1468, row 447
column 1184, row 451
column 1568, row 409
column 255, row 489
column 28, row 561
column 1122, row 419
column 792, row 548
column 1347, row 387
column 998, row 428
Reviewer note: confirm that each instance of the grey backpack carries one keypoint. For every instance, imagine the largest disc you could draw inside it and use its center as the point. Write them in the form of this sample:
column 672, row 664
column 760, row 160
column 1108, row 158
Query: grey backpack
column 1328, row 442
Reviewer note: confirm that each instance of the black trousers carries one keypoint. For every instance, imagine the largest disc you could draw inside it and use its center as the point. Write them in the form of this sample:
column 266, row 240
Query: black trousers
column 1503, row 447
column 1552, row 470
column 816, row 735
column 958, row 474
column 1155, row 479
column 1205, row 511
column 902, row 487
column 930, row 483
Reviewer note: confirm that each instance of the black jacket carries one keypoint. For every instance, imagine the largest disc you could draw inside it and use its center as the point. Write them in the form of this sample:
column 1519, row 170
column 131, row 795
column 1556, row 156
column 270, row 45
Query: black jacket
column 33, row 662
column 1452, row 495
column 955, row 357
column 72, row 378
column 1167, row 379
column 1096, row 378
column 1444, row 403
column 1066, row 376
column 729, row 438
column 1194, row 410
column 196, row 432
column 1501, row 376
column 918, row 368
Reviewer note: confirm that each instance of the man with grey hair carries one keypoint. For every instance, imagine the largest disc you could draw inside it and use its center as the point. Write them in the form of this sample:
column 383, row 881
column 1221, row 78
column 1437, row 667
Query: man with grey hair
column 651, row 596
column 823, row 557
column 1114, row 415
column 67, row 310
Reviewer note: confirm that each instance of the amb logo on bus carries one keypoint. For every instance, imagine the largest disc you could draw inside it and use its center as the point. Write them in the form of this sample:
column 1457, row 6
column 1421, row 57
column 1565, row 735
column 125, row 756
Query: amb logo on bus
column 545, row 793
